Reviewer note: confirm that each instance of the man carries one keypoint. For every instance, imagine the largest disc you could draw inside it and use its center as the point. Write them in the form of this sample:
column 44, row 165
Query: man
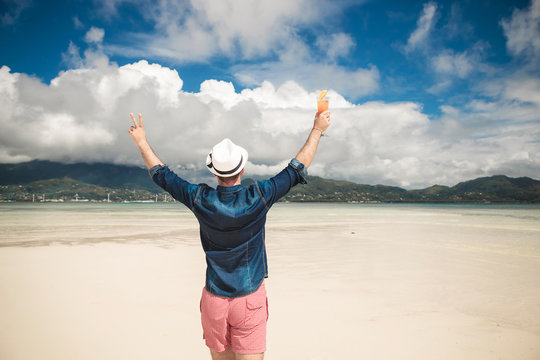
column 234, row 307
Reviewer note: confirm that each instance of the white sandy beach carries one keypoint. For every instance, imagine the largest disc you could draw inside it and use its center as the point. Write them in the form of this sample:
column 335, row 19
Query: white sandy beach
column 345, row 283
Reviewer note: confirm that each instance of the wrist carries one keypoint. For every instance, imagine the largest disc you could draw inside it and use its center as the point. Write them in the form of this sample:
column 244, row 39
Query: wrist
column 319, row 130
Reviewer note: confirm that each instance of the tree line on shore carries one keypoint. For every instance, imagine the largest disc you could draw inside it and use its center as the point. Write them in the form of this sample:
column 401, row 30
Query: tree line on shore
column 51, row 181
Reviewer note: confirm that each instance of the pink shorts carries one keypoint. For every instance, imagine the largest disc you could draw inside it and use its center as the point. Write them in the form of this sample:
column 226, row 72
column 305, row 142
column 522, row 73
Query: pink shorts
column 237, row 323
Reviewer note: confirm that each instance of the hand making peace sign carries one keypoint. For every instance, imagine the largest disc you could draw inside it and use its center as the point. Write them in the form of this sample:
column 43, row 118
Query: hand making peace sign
column 137, row 130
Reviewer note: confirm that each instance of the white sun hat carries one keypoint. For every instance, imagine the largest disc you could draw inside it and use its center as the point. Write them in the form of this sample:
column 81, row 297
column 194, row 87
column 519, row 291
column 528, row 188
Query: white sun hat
column 226, row 159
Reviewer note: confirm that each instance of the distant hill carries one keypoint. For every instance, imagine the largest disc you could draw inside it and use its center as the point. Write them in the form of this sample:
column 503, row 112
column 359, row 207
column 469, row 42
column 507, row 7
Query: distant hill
column 106, row 175
column 497, row 188
column 99, row 182
column 68, row 189
column 57, row 181
column 320, row 189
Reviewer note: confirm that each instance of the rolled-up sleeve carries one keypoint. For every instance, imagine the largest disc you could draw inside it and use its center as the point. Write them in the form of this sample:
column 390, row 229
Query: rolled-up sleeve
column 300, row 169
column 279, row 185
column 179, row 188
column 155, row 169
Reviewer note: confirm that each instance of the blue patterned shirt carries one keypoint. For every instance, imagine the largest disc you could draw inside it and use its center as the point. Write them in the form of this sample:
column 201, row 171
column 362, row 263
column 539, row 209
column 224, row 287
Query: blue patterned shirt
column 232, row 221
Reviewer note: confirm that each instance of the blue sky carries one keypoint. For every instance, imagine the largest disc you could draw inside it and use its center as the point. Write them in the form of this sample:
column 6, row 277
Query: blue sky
column 378, row 30
column 423, row 92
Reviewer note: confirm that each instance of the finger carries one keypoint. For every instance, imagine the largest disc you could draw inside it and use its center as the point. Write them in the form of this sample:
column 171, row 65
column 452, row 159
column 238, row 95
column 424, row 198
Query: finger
column 133, row 119
column 140, row 120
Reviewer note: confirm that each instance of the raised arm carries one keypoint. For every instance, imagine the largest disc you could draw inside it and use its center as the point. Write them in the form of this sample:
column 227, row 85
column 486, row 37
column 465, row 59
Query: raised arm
column 139, row 138
column 320, row 124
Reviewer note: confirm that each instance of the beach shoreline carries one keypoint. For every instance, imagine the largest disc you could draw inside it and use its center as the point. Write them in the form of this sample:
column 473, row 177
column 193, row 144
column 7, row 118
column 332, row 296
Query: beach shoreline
column 386, row 283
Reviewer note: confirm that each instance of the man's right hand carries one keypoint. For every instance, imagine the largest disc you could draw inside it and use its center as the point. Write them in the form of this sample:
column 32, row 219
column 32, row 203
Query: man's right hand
column 322, row 121
column 307, row 152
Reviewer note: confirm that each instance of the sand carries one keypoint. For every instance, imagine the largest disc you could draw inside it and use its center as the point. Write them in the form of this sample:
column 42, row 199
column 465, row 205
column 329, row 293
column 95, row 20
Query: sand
column 413, row 285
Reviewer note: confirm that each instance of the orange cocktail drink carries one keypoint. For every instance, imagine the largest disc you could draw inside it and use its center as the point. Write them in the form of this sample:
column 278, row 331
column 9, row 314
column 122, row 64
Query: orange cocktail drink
column 322, row 102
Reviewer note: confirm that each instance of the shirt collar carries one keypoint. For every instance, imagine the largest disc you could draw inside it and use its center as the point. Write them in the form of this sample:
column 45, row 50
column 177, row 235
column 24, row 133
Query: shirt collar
column 229, row 188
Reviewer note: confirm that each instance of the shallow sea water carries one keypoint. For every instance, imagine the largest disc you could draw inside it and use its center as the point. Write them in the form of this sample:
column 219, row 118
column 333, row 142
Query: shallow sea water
column 35, row 224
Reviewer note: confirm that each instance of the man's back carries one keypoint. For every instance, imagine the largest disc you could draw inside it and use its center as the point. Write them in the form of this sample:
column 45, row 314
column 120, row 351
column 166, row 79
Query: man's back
column 232, row 220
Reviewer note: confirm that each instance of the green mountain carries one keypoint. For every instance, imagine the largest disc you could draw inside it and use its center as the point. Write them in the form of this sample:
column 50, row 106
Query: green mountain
column 68, row 189
column 106, row 175
column 99, row 182
column 497, row 188
column 319, row 189
column 54, row 181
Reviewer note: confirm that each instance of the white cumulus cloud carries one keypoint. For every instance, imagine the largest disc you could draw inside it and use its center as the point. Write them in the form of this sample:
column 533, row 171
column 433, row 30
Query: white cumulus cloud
column 353, row 83
column 266, row 36
column 236, row 28
column 83, row 115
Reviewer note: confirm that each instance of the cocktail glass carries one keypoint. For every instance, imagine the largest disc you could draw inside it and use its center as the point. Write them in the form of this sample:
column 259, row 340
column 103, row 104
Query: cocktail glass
column 322, row 104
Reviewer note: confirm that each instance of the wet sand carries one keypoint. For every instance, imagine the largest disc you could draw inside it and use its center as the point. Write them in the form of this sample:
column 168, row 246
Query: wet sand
column 411, row 283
